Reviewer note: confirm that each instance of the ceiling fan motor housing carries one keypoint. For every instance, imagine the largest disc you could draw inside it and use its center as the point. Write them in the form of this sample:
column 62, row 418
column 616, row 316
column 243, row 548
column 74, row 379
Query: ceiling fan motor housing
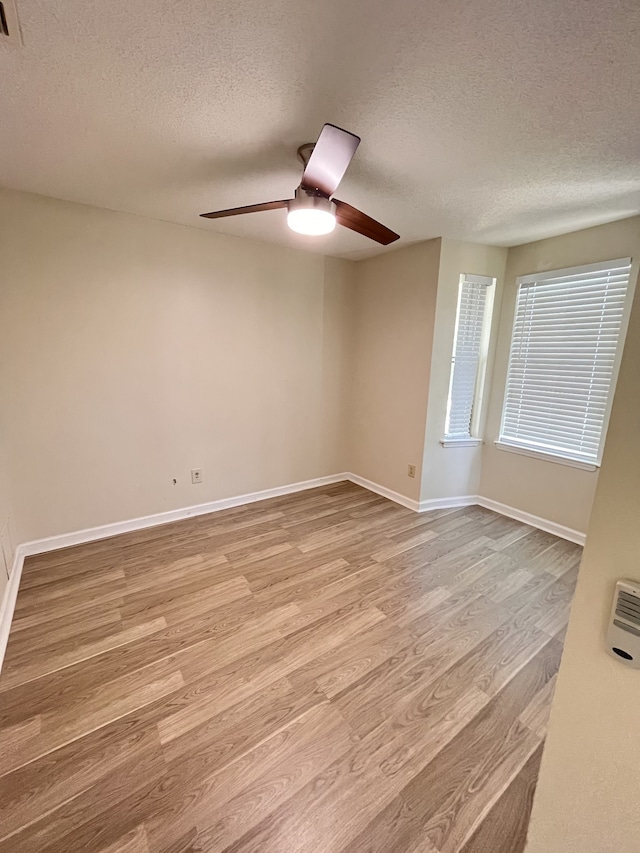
column 309, row 199
column 314, row 211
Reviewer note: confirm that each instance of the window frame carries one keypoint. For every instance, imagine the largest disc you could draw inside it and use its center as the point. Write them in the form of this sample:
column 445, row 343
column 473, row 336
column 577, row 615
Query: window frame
column 522, row 448
column 474, row 438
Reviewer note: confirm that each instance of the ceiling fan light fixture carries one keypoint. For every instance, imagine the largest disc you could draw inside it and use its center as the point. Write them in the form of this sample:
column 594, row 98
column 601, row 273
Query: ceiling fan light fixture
column 312, row 215
column 315, row 210
column 311, row 222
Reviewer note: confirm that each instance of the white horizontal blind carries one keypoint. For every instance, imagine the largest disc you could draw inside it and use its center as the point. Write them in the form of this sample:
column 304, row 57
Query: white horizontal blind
column 563, row 354
column 467, row 346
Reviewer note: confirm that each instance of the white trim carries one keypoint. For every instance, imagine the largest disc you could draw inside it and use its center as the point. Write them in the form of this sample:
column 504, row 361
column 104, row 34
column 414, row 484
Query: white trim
column 486, row 280
column 534, row 520
column 460, row 442
column 545, row 524
column 617, row 263
column 547, row 457
column 9, row 600
column 53, row 543
column 104, row 531
column 448, row 503
column 396, row 497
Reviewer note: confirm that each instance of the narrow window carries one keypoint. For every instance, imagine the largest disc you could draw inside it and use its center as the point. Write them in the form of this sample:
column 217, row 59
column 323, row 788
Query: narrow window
column 564, row 354
column 468, row 362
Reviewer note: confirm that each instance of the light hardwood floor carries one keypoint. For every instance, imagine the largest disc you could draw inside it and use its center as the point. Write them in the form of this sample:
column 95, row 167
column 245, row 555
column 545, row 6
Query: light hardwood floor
column 321, row 672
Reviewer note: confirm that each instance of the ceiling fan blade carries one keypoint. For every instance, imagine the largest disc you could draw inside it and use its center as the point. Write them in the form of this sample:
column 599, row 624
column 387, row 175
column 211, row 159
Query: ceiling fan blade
column 248, row 208
column 332, row 154
column 358, row 221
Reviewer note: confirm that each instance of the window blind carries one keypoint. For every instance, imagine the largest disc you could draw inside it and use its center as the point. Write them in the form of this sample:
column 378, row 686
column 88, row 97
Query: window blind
column 563, row 355
column 467, row 351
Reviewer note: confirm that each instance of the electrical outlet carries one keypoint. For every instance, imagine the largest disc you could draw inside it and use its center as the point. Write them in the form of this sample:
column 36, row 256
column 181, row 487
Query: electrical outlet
column 196, row 475
column 411, row 470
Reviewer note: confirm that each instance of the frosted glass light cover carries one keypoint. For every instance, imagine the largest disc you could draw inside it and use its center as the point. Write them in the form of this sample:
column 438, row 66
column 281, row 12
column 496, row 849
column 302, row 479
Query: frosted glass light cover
column 311, row 221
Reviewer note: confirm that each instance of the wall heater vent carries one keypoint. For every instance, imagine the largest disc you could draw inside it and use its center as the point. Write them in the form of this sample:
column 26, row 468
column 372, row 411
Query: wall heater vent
column 623, row 635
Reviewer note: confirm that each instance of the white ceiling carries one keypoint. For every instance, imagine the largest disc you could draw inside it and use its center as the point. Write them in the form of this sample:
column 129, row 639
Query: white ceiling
column 498, row 121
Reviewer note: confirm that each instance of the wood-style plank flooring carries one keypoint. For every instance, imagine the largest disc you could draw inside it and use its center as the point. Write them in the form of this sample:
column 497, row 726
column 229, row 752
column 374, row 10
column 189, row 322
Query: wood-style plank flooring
column 320, row 672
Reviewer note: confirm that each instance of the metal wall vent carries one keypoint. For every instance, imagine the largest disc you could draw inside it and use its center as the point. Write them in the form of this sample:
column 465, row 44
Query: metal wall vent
column 628, row 608
column 9, row 26
column 623, row 635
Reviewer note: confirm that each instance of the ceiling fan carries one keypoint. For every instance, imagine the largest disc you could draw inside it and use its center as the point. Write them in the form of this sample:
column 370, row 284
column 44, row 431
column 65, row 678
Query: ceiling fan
column 314, row 210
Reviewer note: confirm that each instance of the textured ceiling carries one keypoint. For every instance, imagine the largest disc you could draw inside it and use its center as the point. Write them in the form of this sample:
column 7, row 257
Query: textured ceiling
column 498, row 121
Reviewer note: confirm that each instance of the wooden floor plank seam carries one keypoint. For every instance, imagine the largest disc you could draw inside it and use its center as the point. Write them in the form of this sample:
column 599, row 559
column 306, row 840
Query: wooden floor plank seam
column 324, row 671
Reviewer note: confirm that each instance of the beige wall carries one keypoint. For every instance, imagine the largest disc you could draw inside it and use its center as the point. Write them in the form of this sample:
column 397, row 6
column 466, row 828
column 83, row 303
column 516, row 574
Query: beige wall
column 133, row 350
column 337, row 355
column 455, row 471
column 394, row 312
column 586, row 800
column 555, row 492
column 7, row 522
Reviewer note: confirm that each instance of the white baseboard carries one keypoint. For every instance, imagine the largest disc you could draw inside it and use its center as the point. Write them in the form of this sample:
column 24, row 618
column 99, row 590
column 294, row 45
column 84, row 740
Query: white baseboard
column 92, row 534
column 511, row 512
column 534, row 520
column 105, row 531
column 9, row 599
column 396, row 497
column 448, row 503
column 545, row 524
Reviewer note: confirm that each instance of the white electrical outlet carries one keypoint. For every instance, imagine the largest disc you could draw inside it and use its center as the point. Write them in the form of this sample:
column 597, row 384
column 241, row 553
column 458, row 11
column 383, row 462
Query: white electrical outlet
column 411, row 470
column 196, row 475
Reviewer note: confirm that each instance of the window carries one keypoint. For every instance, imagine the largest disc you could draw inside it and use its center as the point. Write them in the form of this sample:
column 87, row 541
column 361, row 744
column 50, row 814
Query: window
column 563, row 360
column 470, row 344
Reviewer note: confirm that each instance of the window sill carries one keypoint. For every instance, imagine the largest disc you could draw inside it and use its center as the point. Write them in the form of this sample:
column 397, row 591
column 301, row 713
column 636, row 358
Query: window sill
column 461, row 442
column 547, row 457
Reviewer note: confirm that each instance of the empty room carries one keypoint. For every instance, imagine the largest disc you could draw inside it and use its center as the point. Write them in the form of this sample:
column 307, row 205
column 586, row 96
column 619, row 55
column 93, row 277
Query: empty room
column 319, row 420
